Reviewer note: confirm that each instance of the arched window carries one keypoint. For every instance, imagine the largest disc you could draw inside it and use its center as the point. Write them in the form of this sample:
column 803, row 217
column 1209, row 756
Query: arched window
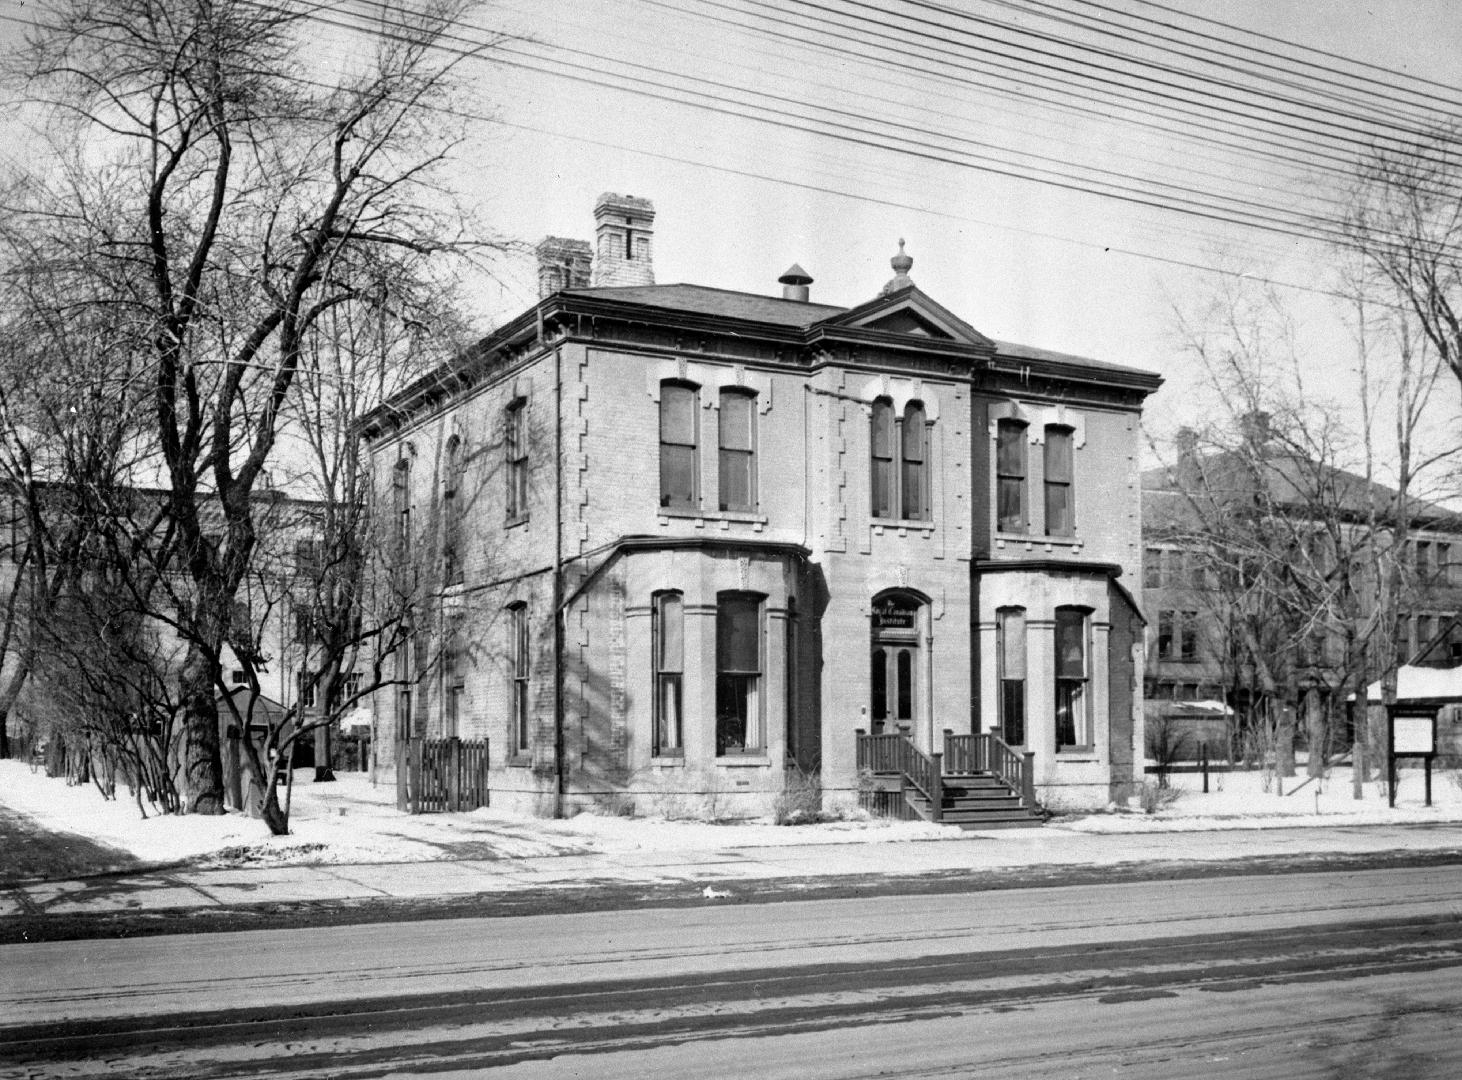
column 738, row 450
column 883, row 455
column 899, row 461
column 1060, row 493
column 668, row 655
column 1010, row 630
column 914, row 481
column 452, row 513
column 1010, row 473
column 678, row 459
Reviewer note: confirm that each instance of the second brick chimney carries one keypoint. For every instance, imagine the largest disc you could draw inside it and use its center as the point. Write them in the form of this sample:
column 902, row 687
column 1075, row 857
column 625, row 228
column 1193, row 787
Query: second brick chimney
column 562, row 264
column 623, row 230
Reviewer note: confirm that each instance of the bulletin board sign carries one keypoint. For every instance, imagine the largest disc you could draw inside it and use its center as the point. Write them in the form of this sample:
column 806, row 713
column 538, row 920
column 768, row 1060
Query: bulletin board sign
column 1412, row 733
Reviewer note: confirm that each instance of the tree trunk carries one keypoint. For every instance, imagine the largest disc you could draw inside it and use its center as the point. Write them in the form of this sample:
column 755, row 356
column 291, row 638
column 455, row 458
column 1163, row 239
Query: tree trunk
column 1316, row 733
column 1284, row 740
column 273, row 814
column 324, row 751
column 233, row 782
column 202, row 762
column 5, row 735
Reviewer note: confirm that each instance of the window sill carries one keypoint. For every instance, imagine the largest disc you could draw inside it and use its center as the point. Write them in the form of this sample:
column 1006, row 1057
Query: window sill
column 755, row 760
column 903, row 525
column 725, row 517
column 514, row 522
column 1030, row 540
column 1077, row 754
column 519, row 761
column 668, row 761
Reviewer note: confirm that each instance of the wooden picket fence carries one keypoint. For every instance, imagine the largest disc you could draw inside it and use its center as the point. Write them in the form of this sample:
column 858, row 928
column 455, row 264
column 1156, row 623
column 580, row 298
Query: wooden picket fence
column 441, row 775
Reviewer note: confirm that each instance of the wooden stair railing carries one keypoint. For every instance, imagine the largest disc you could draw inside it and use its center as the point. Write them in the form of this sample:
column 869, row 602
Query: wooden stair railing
column 896, row 754
column 987, row 752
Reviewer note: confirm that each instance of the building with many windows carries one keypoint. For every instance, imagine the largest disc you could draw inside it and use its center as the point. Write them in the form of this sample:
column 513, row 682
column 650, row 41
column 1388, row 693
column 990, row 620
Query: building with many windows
column 697, row 540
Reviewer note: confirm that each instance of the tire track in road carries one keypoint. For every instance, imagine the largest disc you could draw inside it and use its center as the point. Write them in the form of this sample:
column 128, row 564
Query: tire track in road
column 471, row 1030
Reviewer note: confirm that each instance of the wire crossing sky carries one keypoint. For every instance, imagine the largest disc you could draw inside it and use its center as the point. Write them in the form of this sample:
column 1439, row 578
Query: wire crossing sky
column 1060, row 168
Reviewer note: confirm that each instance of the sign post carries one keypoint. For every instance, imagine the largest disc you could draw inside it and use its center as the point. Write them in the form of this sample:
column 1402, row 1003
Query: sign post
column 1413, row 733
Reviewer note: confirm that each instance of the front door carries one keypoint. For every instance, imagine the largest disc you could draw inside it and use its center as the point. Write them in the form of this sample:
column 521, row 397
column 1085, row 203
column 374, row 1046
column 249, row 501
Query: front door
column 895, row 664
column 894, row 667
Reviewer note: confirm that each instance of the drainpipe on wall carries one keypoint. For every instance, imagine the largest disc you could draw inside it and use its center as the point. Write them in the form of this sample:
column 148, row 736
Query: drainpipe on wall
column 559, row 615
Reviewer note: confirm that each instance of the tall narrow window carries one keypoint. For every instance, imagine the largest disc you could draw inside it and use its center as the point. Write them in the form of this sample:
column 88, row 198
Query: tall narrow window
column 455, row 685
column 515, row 450
column 668, row 631
column 1165, row 634
column 404, row 676
column 1072, row 677
column 914, row 477
column 519, row 668
column 678, row 485
column 452, row 513
column 738, row 450
column 880, row 689
column 738, row 673
column 1011, row 647
column 794, row 740
column 1060, row 511
column 1152, row 568
column 1188, row 635
column 1010, row 442
column 401, row 499
column 883, row 447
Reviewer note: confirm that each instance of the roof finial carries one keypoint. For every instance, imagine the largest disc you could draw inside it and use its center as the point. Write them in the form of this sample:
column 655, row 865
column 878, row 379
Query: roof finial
column 901, row 264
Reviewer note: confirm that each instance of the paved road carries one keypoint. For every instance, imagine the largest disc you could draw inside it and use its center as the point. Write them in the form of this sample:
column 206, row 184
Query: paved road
column 1349, row 974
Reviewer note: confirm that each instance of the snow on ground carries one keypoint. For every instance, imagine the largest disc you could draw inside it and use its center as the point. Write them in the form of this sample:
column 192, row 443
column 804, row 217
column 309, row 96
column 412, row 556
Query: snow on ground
column 1242, row 800
column 351, row 821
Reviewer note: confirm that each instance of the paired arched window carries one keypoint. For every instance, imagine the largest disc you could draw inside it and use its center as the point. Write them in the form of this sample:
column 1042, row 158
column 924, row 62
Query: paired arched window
column 900, row 461
column 401, row 507
column 678, row 457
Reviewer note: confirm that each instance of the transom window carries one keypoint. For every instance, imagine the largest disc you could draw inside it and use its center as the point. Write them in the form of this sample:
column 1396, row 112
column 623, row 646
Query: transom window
column 678, row 479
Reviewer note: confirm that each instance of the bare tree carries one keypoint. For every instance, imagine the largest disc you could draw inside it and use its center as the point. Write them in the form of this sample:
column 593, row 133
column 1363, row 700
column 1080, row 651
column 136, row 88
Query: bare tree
column 247, row 203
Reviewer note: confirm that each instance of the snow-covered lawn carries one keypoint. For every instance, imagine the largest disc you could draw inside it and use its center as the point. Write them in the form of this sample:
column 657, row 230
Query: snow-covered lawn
column 350, row 821
column 1239, row 800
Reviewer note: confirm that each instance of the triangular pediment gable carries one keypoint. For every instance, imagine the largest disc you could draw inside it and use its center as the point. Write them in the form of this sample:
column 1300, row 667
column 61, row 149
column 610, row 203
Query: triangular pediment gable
column 909, row 311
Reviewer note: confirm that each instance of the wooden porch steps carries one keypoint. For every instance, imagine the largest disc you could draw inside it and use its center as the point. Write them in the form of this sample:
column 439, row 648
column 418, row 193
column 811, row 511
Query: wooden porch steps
column 977, row 801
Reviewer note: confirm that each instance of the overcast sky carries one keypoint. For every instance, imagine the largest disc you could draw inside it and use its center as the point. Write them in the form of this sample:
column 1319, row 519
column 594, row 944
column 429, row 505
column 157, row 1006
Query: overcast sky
column 722, row 112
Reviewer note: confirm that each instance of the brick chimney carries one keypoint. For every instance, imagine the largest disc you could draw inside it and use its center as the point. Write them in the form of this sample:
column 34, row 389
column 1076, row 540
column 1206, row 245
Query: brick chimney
column 562, row 264
column 623, row 229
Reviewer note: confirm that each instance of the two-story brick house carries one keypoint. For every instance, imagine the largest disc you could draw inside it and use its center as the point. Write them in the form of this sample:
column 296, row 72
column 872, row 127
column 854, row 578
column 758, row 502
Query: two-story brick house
column 697, row 536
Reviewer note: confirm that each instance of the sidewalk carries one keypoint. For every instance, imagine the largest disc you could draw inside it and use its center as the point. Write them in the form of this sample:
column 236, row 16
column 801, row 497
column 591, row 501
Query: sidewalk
column 969, row 856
